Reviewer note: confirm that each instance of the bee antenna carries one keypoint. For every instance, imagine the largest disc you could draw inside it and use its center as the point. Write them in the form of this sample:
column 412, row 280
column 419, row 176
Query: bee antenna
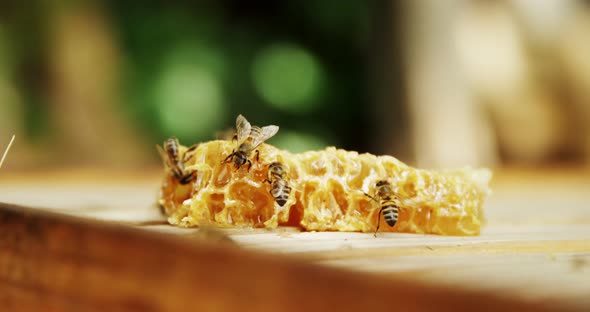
column 371, row 197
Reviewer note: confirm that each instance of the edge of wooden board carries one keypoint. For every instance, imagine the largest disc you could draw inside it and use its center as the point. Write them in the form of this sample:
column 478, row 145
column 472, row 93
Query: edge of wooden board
column 54, row 262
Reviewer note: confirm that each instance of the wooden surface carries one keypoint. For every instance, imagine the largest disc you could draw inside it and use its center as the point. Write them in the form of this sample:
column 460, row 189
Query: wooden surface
column 534, row 252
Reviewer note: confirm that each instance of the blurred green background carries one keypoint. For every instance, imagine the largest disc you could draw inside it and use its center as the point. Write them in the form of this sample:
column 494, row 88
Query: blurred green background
column 99, row 83
column 184, row 69
column 192, row 68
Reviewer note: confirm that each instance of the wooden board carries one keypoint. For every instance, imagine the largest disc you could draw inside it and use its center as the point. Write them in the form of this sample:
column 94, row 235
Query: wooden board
column 534, row 252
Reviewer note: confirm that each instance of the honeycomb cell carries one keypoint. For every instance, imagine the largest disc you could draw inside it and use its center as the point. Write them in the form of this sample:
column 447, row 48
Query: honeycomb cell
column 295, row 215
column 318, row 167
column 222, row 176
column 215, row 203
column 253, row 204
column 339, row 195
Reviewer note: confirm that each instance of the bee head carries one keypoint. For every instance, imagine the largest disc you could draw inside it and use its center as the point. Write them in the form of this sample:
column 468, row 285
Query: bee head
column 382, row 183
column 383, row 188
column 171, row 145
column 276, row 168
column 171, row 141
column 240, row 158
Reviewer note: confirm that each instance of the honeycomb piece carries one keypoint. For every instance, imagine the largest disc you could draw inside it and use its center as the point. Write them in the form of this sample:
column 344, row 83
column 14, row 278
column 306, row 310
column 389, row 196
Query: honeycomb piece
column 327, row 194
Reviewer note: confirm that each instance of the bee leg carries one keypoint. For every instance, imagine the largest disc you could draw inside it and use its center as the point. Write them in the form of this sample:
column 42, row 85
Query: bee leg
column 192, row 148
column 267, row 181
column 257, row 156
column 190, row 153
column 378, row 222
column 234, row 137
column 371, row 197
column 249, row 165
column 228, row 158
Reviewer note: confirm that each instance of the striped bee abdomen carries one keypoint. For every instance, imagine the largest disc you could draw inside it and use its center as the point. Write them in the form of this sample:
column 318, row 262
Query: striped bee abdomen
column 390, row 211
column 280, row 189
column 280, row 192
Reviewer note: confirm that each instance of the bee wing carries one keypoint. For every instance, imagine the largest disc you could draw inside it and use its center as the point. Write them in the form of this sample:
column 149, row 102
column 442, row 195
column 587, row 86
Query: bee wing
column 243, row 128
column 162, row 153
column 264, row 134
column 164, row 156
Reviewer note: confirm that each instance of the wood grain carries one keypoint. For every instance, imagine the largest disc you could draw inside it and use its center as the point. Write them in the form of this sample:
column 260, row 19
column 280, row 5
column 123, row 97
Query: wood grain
column 55, row 263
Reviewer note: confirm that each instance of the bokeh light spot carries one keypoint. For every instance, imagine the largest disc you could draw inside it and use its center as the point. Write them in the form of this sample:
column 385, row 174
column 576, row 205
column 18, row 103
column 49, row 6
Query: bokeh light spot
column 287, row 77
column 297, row 142
column 189, row 100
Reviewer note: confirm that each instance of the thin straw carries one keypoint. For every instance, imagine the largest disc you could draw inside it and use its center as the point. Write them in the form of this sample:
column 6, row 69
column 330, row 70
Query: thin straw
column 6, row 151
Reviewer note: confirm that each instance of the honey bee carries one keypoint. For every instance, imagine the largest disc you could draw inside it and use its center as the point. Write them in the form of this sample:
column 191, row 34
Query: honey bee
column 388, row 203
column 280, row 188
column 6, row 151
column 248, row 138
column 171, row 156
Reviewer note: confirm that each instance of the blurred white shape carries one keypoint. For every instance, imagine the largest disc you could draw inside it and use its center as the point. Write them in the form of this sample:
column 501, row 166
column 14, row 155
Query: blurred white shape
column 489, row 47
column 449, row 128
column 544, row 19
column 493, row 56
